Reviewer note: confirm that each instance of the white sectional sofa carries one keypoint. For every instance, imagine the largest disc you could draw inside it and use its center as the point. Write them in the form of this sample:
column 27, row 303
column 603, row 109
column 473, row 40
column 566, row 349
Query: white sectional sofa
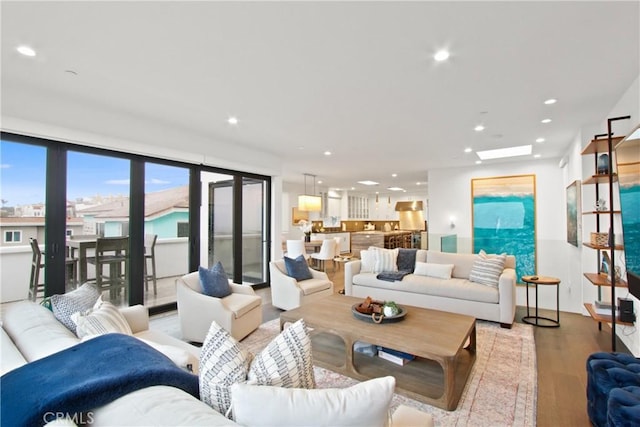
column 457, row 294
column 30, row 332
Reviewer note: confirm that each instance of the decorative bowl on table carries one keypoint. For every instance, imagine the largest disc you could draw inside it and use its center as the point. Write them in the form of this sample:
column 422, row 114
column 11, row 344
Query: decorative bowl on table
column 378, row 311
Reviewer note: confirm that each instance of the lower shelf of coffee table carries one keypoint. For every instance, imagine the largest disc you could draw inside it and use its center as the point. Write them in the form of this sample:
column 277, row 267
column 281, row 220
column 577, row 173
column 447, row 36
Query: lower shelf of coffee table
column 420, row 379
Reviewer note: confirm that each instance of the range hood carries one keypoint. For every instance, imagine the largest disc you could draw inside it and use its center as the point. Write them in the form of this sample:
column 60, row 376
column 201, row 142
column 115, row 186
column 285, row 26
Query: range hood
column 409, row 206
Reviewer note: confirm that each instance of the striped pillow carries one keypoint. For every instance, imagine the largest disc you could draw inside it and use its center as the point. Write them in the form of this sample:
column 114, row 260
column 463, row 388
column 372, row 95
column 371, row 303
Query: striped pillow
column 486, row 269
column 386, row 260
column 103, row 318
column 286, row 361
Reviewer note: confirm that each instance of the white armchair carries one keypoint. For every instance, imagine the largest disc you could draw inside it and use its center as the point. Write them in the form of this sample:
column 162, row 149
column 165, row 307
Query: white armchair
column 239, row 313
column 287, row 293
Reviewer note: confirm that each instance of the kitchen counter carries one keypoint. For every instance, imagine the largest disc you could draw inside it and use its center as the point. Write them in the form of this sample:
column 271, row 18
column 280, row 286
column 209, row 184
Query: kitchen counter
column 361, row 240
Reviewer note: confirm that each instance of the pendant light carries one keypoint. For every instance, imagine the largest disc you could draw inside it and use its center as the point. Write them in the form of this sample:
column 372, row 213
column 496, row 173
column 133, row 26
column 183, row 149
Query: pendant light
column 309, row 203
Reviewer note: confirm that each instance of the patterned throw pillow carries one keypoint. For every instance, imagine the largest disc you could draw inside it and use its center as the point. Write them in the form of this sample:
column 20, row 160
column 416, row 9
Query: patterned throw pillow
column 286, row 361
column 81, row 299
column 368, row 261
column 222, row 364
column 214, row 281
column 103, row 318
column 297, row 268
column 487, row 269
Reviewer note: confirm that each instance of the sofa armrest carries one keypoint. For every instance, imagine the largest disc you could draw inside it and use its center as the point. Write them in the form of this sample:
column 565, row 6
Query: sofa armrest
column 507, row 292
column 137, row 316
column 241, row 289
column 319, row 274
column 351, row 268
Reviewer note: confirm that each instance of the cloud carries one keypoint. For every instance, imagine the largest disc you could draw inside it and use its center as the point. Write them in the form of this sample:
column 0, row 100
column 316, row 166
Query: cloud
column 117, row 182
column 157, row 181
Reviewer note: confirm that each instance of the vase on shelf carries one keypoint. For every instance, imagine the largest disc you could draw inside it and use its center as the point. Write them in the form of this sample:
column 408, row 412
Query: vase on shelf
column 307, row 237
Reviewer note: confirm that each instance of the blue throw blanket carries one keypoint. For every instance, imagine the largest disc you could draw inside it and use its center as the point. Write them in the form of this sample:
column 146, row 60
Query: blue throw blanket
column 84, row 377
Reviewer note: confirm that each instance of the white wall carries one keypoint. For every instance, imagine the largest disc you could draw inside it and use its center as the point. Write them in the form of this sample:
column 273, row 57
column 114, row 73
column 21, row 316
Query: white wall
column 579, row 167
column 450, row 195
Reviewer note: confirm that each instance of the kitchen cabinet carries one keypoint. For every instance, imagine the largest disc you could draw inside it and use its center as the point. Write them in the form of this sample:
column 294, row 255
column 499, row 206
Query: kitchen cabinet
column 345, row 239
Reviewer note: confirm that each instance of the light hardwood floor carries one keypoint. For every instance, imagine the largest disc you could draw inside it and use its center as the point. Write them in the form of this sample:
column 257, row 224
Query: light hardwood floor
column 561, row 355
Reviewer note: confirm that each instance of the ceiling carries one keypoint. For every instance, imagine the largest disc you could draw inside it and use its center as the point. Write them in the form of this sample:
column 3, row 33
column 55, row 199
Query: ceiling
column 354, row 78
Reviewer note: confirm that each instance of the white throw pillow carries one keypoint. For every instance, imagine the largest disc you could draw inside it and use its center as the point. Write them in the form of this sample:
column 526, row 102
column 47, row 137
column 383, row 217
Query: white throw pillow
column 487, row 269
column 367, row 261
column 364, row 404
column 441, row 271
column 385, row 259
column 103, row 318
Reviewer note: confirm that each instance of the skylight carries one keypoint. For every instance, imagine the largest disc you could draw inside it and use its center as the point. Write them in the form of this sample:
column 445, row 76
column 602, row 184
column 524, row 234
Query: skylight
column 501, row 153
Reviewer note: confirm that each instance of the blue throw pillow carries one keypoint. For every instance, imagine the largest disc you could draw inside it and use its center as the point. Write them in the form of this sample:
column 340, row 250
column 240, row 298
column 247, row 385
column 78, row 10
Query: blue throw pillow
column 214, row 281
column 298, row 268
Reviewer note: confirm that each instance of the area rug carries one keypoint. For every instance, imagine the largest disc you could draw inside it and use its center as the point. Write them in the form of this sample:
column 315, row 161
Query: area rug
column 501, row 389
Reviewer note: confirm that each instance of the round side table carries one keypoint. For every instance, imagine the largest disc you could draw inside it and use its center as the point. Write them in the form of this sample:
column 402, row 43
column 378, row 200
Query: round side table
column 535, row 320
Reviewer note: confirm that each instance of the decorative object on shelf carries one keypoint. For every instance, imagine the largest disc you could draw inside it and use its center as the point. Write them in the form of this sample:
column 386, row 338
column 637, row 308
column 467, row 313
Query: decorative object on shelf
column 503, row 215
column 603, row 164
column 573, row 217
column 373, row 311
column 606, row 262
column 599, row 239
column 601, row 205
column 305, row 227
column 309, row 202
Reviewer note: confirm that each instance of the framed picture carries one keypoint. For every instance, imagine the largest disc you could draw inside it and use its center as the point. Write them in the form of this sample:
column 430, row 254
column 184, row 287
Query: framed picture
column 297, row 216
column 573, row 213
column 504, row 218
column 606, row 262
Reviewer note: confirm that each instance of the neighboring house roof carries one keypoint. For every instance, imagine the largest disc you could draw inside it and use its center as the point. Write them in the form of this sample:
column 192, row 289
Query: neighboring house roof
column 33, row 220
column 155, row 204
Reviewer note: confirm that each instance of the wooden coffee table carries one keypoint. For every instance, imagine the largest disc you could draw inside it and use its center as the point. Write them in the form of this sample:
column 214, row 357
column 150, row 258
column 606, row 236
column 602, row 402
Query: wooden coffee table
column 444, row 343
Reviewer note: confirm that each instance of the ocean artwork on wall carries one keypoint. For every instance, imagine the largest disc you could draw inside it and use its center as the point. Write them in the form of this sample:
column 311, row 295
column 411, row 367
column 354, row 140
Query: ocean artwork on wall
column 504, row 219
column 628, row 162
column 573, row 212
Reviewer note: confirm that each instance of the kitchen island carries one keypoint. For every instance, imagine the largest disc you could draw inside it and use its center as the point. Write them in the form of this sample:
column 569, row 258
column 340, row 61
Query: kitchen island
column 361, row 240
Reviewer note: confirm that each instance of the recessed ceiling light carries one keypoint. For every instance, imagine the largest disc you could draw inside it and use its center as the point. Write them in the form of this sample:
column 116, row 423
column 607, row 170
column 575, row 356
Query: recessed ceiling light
column 479, row 128
column 545, row 121
column 394, row 175
column 395, row 189
column 327, row 153
column 550, row 101
column 468, row 150
column 353, row 188
column 501, row 153
column 540, row 139
column 441, row 55
column 536, row 156
column 418, row 183
column 319, row 182
column 367, row 182
column 478, row 162
column 232, row 120
column 26, row 50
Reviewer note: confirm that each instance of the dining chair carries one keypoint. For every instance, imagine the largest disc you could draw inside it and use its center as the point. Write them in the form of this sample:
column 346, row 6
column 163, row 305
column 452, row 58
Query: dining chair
column 36, row 264
column 296, row 248
column 114, row 253
column 327, row 253
column 150, row 256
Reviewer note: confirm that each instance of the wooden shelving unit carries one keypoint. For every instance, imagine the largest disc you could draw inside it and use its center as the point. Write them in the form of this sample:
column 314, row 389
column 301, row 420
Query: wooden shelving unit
column 598, row 147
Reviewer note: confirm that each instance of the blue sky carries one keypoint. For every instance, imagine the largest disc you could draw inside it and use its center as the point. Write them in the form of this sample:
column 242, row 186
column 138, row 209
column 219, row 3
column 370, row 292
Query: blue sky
column 22, row 175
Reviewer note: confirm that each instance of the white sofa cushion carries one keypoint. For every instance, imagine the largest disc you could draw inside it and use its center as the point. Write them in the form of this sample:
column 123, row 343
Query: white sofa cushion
column 311, row 286
column 10, row 357
column 35, row 330
column 385, row 259
column 440, row 271
column 364, row 404
column 158, row 406
column 368, row 259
